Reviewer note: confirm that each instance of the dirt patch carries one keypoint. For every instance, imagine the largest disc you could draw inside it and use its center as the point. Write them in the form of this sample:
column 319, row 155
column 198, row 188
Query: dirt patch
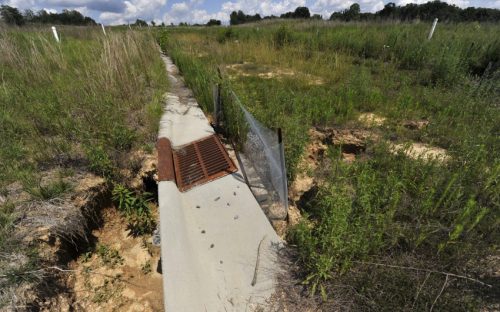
column 416, row 124
column 142, row 166
column 248, row 69
column 58, row 216
column 314, row 153
column 352, row 142
column 121, row 274
column 291, row 294
column 421, row 151
column 371, row 120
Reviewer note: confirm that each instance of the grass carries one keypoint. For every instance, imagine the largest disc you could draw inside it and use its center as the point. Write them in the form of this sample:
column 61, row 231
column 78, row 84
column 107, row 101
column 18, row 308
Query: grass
column 80, row 105
column 90, row 98
column 387, row 209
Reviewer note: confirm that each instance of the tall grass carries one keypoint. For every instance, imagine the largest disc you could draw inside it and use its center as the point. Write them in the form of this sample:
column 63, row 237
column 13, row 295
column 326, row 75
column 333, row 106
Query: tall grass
column 387, row 209
column 83, row 104
column 91, row 98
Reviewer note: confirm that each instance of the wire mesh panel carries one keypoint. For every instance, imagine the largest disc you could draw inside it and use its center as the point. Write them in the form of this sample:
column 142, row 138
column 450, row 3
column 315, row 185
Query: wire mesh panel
column 262, row 150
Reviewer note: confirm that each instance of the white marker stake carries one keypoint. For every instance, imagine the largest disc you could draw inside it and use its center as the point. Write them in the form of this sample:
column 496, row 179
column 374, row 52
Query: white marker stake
column 432, row 29
column 54, row 31
column 103, row 30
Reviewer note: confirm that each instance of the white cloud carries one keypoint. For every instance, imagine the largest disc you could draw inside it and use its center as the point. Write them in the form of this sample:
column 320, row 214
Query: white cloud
column 135, row 9
column 21, row 4
column 180, row 8
column 326, row 7
column 50, row 10
column 262, row 7
column 187, row 12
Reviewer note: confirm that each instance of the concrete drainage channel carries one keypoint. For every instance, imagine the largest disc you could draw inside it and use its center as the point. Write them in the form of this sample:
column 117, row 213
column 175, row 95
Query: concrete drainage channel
column 218, row 250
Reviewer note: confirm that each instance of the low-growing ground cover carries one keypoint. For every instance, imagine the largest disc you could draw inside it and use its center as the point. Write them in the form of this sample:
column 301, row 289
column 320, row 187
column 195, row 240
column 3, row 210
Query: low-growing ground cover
column 382, row 230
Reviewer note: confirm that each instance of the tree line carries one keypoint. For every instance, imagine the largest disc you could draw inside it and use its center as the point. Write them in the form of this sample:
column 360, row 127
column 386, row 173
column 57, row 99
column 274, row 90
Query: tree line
column 426, row 12
column 12, row 16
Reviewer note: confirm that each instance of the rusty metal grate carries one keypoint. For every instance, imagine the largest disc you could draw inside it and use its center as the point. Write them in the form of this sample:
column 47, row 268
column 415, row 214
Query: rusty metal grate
column 201, row 161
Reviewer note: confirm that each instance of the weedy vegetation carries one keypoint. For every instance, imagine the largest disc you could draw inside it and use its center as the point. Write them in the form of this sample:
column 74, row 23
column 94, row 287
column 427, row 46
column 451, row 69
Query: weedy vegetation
column 80, row 105
column 136, row 208
column 385, row 232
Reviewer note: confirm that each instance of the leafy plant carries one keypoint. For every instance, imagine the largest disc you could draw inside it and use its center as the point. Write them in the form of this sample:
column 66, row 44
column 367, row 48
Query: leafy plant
column 136, row 208
column 109, row 256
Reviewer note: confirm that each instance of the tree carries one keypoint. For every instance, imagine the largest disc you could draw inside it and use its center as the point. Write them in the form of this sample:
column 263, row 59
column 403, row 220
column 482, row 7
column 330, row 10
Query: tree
column 301, row 12
column 29, row 15
column 388, row 11
column 352, row 13
column 139, row 22
column 153, row 23
column 214, row 22
column 236, row 18
column 336, row 16
column 11, row 15
column 317, row 17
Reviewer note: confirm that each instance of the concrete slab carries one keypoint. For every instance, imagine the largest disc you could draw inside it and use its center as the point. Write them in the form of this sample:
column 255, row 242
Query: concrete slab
column 215, row 239
column 183, row 121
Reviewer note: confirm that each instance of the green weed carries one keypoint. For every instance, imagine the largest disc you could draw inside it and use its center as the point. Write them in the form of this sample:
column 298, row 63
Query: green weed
column 51, row 190
column 386, row 208
column 136, row 208
column 109, row 257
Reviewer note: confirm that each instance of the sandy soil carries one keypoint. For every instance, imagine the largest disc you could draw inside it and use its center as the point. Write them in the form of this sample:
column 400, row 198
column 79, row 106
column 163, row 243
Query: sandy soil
column 247, row 69
column 126, row 280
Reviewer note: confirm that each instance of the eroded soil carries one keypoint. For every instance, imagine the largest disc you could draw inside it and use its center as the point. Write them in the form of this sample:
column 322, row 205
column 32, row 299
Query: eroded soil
column 120, row 274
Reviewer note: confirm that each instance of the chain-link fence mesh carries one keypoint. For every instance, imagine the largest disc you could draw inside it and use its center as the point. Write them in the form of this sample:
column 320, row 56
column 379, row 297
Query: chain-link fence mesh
column 261, row 153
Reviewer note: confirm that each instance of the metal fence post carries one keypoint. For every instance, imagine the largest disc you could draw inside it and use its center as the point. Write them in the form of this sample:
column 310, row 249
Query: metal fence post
column 217, row 105
column 283, row 169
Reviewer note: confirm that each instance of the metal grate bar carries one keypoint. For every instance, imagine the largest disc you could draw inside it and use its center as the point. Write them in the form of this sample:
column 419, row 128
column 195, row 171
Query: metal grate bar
column 200, row 162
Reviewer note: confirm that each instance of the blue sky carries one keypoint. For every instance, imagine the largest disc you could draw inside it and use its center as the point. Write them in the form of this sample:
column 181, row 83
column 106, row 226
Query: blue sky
column 111, row 12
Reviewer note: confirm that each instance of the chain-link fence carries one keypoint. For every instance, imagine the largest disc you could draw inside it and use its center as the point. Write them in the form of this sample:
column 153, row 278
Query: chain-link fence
column 259, row 149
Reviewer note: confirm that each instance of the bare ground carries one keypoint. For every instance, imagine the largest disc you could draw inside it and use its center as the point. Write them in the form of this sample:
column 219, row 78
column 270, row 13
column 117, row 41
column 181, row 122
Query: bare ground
column 127, row 280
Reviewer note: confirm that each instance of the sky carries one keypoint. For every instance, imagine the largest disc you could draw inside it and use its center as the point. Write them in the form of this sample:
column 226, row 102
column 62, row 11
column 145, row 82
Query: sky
column 113, row 12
